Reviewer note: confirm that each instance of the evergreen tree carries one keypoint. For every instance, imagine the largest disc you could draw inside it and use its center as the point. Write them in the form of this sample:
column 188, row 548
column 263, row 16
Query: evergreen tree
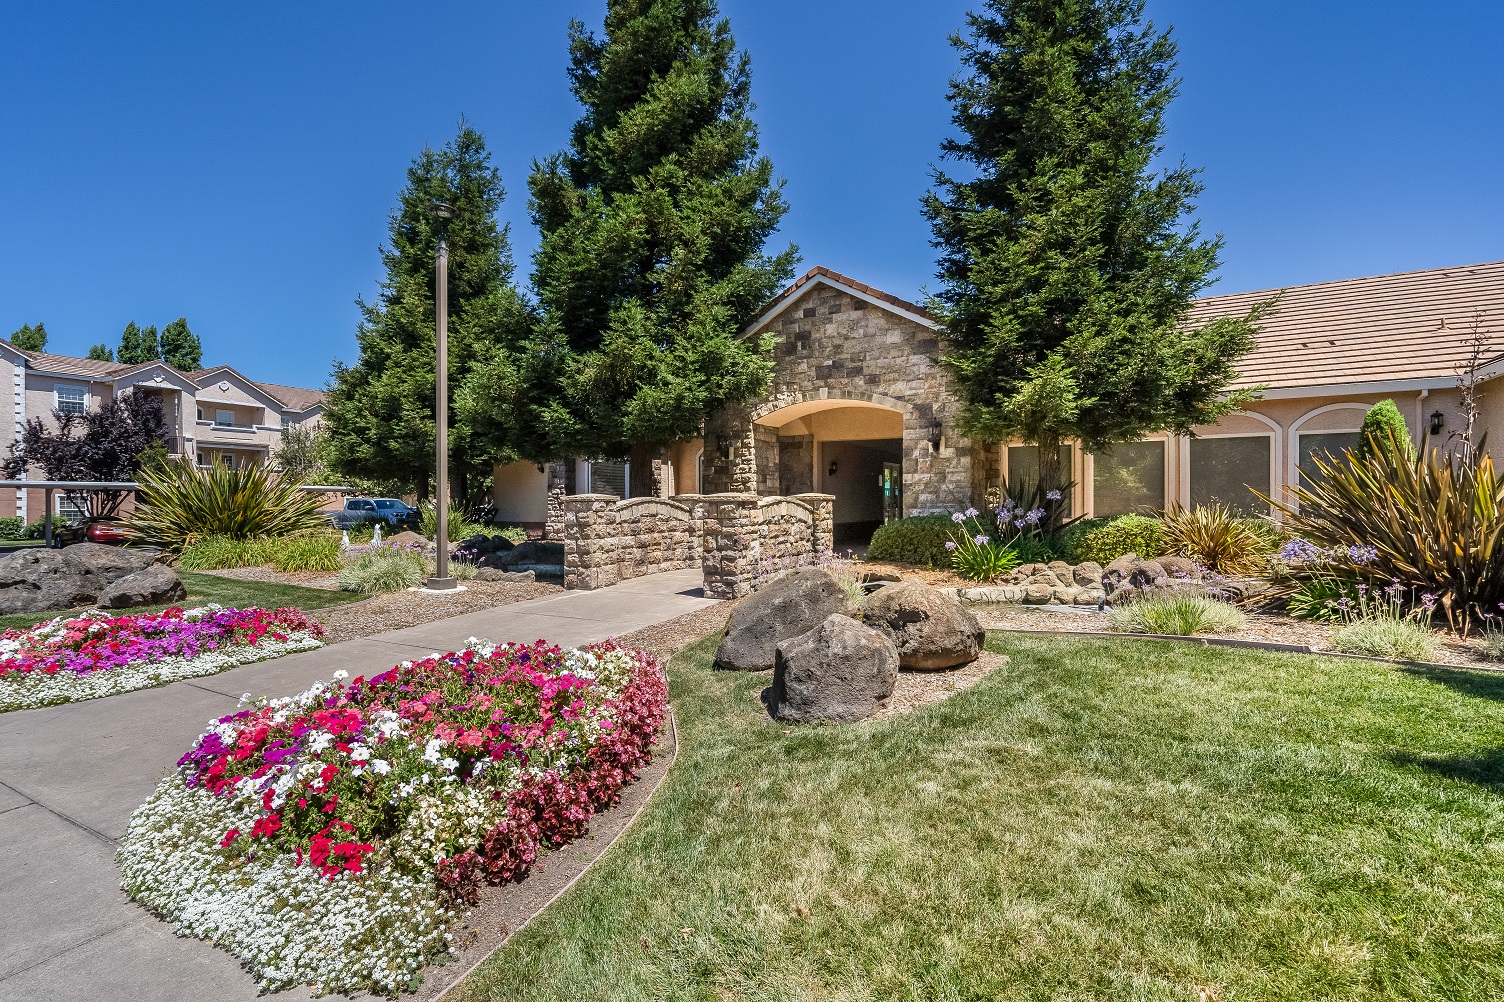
column 1384, row 430
column 653, row 223
column 29, row 338
column 380, row 410
column 101, row 353
column 137, row 345
column 1066, row 263
column 180, row 347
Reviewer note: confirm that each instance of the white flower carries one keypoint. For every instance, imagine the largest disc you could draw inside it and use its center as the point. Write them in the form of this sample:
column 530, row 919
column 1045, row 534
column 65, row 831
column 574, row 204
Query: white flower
column 340, row 675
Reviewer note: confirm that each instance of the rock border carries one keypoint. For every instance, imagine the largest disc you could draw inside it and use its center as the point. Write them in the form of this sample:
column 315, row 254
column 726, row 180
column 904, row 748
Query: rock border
column 501, row 906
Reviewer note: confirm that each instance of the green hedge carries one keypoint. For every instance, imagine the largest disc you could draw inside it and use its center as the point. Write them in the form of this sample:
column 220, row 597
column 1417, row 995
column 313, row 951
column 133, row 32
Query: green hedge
column 918, row 540
column 1106, row 539
column 12, row 527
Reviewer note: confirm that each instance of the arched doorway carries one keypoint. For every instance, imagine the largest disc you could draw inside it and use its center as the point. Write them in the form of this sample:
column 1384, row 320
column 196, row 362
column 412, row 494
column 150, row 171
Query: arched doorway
column 851, row 449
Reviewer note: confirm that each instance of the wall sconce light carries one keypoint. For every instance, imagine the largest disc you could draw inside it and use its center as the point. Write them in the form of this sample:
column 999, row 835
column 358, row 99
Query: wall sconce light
column 832, row 467
column 723, row 446
column 1438, row 420
column 937, row 442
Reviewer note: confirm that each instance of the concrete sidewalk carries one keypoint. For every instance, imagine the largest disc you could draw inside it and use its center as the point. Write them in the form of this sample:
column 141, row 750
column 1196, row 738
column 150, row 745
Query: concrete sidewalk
column 71, row 775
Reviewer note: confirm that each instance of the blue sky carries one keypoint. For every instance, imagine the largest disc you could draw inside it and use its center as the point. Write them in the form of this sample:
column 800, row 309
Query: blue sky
column 235, row 164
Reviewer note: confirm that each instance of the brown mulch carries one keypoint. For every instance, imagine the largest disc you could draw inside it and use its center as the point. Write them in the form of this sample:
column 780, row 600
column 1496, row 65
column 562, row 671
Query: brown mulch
column 921, row 688
column 910, row 572
column 303, row 579
column 399, row 610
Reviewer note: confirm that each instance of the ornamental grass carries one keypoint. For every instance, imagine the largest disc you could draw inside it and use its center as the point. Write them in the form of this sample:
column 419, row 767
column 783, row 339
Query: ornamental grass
column 331, row 837
column 178, row 503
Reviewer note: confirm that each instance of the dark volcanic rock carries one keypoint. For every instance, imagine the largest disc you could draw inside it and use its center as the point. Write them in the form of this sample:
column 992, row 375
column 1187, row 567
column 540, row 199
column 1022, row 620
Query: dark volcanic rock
column 156, row 585
column 840, row 671
column 929, row 628
column 38, row 580
column 793, row 604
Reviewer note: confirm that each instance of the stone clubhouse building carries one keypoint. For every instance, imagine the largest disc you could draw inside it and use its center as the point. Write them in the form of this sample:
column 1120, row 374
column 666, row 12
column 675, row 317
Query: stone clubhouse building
column 861, row 409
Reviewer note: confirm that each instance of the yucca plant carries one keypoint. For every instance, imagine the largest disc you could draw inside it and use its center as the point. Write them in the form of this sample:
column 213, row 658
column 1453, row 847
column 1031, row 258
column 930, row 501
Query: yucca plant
column 1217, row 538
column 178, row 503
column 1431, row 524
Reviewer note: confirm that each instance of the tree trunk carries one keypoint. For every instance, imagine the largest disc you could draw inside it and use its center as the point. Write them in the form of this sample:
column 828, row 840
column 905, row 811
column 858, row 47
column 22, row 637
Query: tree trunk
column 643, row 484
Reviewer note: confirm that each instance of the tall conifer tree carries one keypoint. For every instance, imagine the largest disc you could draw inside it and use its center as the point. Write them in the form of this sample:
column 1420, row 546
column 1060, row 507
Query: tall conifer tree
column 381, row 409
column 180, row 347
column 30, row 338
column 1067, row 263
column 653, row 226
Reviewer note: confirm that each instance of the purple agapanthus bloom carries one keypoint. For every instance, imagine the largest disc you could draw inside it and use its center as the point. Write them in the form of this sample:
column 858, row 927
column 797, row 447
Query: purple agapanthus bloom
column 1362, row 554
column 1298, row 549
column 950, row 544
column 972, row 513
column 981, row 540
column 957, row 518
column 1052, row 495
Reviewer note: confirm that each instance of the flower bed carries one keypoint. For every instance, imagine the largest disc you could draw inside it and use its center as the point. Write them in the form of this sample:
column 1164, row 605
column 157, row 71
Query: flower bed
column 328, row 838
column 95, row 654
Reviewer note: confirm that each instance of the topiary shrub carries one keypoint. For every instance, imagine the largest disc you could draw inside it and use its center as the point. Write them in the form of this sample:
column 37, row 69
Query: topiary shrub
column 1384, row 428
column 1106, row 539
column 918, row 540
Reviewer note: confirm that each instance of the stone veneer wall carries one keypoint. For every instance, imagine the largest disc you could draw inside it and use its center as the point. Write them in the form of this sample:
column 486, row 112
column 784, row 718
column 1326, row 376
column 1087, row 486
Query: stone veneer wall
column 743, row 530
column 833, row 346
column 796, row 464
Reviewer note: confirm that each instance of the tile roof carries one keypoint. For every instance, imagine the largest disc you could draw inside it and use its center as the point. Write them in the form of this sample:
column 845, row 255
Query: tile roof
column 70, row 366
column 296, row 398
column 793, row 291
column 1405, row 326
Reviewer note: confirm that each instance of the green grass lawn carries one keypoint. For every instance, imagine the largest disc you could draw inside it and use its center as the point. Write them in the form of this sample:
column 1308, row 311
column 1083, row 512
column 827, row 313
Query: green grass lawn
column 1098, row 820
column 226, row 591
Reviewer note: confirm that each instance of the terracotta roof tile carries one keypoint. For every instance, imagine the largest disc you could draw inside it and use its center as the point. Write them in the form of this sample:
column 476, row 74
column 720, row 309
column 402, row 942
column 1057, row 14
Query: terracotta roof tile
column 296, row 398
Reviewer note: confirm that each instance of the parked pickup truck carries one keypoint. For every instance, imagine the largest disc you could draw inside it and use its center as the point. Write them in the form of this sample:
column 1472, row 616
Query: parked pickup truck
column 393, row 513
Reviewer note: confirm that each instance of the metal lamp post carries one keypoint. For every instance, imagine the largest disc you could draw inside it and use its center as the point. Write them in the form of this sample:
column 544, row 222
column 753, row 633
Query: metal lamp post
column 441, row 581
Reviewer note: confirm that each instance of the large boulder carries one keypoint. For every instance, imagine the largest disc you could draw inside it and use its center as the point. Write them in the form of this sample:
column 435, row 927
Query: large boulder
column 793, row 604
column 43, row 580
column 929, row 628
column 515, row 577
column 840, row 671
column 156, row 585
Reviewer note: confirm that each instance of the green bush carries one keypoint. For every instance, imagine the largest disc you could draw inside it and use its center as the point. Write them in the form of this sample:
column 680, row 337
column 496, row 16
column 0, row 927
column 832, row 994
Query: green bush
column 1316, row 600
column 382, row 569
column 513, row 534
column 178, row 503
column 1386, row 637
column 1491, row 643
column 1218, row 539
column 1176, row 616
column 918, row 540
column 35, row 530
column 12, row 527
column 1384, row 429
column 213, row 553
column 305, row 553
column 1106, row 539
column 460, row 524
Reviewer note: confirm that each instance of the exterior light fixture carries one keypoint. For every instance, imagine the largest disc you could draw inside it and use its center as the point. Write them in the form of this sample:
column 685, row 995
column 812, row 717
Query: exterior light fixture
column 832, row 467
column 1438, row 421
column 937, row 441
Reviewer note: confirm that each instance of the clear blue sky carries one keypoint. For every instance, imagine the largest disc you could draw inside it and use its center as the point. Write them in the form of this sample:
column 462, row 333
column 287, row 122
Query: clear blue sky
column 235, row 163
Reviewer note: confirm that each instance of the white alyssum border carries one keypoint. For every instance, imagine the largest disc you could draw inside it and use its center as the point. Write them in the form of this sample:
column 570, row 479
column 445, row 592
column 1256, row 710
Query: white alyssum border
column 28, row 690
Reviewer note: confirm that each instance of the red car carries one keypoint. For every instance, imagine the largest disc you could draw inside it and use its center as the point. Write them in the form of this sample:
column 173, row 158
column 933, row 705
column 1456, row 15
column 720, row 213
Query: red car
column 104, row 529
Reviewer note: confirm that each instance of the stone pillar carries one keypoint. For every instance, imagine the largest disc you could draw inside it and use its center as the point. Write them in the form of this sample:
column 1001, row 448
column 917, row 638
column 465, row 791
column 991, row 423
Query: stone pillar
column 824, row 507
column 696, row 505
column 729, row 551
column 553, row 528
column 735, row 469
column 591, row 542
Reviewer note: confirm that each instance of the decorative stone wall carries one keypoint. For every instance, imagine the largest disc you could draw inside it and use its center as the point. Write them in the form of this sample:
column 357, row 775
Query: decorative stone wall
column 743, row 530
column 553, row 527
column 831, row 345
column 607, row 540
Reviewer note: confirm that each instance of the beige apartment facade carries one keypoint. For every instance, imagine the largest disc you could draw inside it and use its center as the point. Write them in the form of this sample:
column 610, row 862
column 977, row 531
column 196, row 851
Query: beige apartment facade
column 212, row 414
column 861, row 409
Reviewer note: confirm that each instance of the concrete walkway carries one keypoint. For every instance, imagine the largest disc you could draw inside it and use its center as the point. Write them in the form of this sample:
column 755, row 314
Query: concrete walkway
column 71, row 775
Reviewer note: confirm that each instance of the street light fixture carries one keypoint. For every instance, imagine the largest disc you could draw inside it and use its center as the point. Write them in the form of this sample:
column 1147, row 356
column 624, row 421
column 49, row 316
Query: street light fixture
column 441, row 581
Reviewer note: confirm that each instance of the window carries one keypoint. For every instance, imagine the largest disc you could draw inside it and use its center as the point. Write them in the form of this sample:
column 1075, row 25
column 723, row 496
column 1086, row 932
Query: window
column 1129, row 479
column 1023, row 470
column 1325, row 445
column 70, row 507
column 71, row 399
column 387, row 504
column 224, row 417
column 608, row 478
column 1228, row 470
column 200, row 412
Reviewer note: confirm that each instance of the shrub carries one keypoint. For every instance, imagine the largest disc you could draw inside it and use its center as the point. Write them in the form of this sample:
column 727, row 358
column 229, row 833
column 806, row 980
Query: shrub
column 319, row 552
column 1106, row 539
column 1384, row 428
column 35, row 530
column 919, row 539
column 1217, row 539
column 1176, row 615
column 983, row 562
column 178, row 503
column 1386, row 637
column 1317, row 600
column 1491, row 643
column 461, row 570
column 212, row 553
column 1433, row 525
column 12, row 527
column 381, row 568
column 513, row 534
column 460, row 523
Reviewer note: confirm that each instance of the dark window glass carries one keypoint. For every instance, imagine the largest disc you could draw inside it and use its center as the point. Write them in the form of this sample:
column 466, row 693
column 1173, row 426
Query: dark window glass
column 1228, row 470
column 1129, row 478
column 1326, row 444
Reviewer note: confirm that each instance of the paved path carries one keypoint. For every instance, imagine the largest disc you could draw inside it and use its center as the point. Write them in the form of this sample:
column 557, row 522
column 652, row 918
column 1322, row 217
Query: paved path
column 71, row 775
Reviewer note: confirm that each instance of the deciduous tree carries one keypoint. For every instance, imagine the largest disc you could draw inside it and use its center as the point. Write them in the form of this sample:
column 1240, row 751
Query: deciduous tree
column 29, row 337
column 106, row 444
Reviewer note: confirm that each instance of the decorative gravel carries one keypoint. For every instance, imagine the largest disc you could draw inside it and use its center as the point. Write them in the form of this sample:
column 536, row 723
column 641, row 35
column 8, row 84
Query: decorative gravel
column 303, row 579
column 921, row 688
column 402, row 609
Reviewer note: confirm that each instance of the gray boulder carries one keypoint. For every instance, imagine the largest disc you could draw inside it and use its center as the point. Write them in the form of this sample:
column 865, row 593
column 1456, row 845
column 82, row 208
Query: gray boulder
column 787, row 607
column 41, row 580
column 929, row 628
column 841, row 671
column 156, row 585
column 492, row 574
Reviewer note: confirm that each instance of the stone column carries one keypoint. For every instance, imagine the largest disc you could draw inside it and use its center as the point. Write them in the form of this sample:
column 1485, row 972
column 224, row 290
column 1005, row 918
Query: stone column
column 553, row 527
column 696, row 505
column 729, row 550
column 824, row 507
column 591, row 542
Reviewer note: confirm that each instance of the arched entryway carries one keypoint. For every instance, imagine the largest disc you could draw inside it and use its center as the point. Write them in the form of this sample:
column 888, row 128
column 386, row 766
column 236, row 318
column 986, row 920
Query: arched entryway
column 851, row 449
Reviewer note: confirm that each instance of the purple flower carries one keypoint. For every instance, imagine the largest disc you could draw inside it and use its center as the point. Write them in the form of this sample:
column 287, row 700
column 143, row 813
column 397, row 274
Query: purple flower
column 972, row 513
column 981, row 540
column 1298, row 549
column 1428, row 601
column 950, row 544
column 1052, row 495
column 958, row 518
column 1362, row 554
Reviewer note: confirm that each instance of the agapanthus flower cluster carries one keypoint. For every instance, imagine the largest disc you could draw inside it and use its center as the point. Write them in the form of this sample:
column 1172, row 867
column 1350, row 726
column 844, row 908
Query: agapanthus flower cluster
column 96, row 654
column 437, row 774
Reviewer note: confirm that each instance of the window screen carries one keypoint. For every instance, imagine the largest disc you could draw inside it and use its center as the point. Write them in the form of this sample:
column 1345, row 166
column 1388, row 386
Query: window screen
column 1326, row 445
column 1129, row 478
column 1023, row 469
column 71, row 399
column 224, row 417
column 1223, row 470
column 608, row 478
